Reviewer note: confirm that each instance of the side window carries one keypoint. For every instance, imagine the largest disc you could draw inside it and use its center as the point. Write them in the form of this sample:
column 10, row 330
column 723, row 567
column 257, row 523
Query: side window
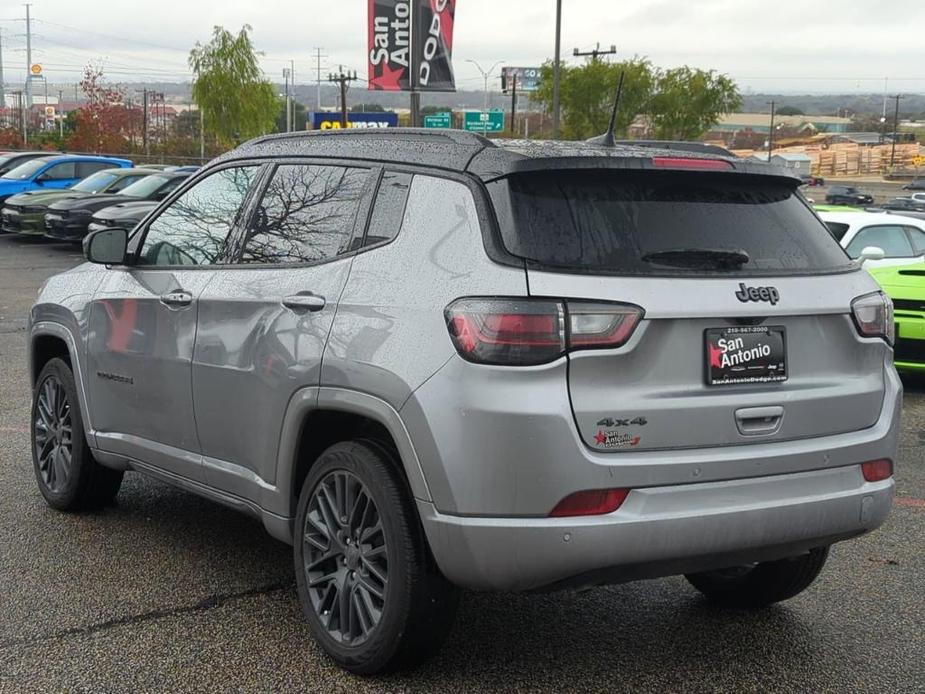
column 389, row 208
column 838, row 229
column 193, row 230
column 307, row 214
column 86, row 168
column 892, row 239
column 170, row 186
column 917, row 236
column 60, row 172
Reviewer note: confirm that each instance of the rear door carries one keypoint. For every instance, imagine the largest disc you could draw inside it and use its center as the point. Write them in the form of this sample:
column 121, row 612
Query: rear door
column 60, row 175
column 728, row 352
column 264, row 322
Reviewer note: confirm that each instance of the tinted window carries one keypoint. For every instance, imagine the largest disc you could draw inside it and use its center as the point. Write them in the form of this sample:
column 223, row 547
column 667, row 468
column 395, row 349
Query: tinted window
column 306, row 215
column 124, row 183
column 60, row 172
column 626, row 222
column 91, row 167
column 917, row 236
column 892, row 239
column 95, row 183
column 193, row 230
column 389, row 208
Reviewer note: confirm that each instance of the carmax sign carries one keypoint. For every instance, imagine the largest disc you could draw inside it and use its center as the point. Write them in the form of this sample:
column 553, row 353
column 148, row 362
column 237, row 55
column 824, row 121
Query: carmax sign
column 331, row 120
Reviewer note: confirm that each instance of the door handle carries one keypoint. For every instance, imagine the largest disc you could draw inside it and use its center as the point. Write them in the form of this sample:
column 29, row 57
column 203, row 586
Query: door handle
column 759, row 421
column 177, row 299
column 304, row 302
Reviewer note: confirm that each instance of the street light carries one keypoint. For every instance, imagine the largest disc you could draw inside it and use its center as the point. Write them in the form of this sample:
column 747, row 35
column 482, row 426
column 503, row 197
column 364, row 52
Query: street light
column 486, row 74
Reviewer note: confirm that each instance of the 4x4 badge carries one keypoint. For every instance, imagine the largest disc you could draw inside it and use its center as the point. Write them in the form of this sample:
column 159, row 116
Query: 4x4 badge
column 746, row 294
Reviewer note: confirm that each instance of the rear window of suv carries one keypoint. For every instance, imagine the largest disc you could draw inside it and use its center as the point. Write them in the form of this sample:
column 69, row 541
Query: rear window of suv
column 632, row 222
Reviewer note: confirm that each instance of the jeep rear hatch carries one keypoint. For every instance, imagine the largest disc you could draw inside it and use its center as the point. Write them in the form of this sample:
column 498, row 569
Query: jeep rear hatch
column 747, row 333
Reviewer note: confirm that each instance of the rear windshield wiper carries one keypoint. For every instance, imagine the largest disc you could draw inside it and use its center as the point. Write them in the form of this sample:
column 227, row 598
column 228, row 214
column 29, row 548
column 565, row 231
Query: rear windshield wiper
column 698, row 258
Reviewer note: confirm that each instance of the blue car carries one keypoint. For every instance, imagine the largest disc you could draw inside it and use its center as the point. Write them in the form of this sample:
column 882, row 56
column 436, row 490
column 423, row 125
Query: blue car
column 49, row 173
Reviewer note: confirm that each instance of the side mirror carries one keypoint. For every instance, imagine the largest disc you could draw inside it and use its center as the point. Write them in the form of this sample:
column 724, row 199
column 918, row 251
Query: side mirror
column 106, row 246
column 871, row 253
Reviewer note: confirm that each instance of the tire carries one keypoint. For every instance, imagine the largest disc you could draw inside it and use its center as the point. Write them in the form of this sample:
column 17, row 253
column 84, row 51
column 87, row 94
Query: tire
column 762, row 584
column 67, row 475
column 398, row 608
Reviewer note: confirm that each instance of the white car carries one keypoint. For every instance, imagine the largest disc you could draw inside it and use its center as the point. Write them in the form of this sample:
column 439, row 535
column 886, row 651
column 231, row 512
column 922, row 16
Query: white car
column 918, row 197
column 901, row 239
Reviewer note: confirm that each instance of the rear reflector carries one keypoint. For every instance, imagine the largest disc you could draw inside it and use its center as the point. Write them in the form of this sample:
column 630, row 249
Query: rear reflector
column 593, row 502
column 691, row 164
column 877, row 470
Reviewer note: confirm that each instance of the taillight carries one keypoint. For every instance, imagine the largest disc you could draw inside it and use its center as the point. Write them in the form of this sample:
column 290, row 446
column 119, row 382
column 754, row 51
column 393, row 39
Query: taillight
column 524, row 332
column 873, row 316
column 593, row 502
column 691, row 164
column 877, row 470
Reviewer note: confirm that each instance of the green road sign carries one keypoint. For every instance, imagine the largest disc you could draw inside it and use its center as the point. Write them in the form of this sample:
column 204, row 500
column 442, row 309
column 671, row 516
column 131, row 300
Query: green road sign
column 484, row 122
column 439, row 120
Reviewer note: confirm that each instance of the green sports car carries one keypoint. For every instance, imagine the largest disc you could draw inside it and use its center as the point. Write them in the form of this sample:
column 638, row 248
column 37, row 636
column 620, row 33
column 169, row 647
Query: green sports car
column 24, row 213
column 906, row 287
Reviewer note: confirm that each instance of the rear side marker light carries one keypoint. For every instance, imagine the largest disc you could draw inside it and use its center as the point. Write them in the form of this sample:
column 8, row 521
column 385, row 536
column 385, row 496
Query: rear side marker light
column 593, row 502
column 691, row 164
column 873, row 316
column 525, row 332
column 877, row 470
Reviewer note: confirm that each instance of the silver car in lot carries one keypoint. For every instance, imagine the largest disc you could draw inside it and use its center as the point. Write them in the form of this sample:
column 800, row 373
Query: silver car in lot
column 430, row 361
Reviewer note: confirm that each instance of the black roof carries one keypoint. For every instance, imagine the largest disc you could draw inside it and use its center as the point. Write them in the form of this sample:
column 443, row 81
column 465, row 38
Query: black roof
column 461, row 151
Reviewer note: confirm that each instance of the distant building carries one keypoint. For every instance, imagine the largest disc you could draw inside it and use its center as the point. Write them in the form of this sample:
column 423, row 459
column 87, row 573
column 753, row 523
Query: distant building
column 761, row 123
column 799, row 162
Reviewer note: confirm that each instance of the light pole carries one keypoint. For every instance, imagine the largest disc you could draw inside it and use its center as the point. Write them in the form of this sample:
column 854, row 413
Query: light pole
column 556, row 72
column 486, row 75
column 286, row 78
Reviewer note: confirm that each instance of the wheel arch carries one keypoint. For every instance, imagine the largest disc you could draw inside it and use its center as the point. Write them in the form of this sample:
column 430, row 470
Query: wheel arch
column 320, row 417
column 49, row 340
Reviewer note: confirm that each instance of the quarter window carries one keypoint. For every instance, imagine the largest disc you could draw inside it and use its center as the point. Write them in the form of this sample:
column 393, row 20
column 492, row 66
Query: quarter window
column 307, row 214
column 87, row 168
column 892, row 239
column 917, row 236
column 194, row 229
column 389, row 208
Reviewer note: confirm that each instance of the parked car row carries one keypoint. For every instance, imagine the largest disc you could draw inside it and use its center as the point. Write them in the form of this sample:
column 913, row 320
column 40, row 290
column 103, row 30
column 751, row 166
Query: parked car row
column 60, row 196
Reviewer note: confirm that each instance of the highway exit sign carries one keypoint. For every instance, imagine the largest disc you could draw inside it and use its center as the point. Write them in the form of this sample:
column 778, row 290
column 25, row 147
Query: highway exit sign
column 484, row 121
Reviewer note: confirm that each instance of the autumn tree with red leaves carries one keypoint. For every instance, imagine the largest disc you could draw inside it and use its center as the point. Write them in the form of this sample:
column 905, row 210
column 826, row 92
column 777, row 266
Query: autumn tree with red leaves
column 103, row 123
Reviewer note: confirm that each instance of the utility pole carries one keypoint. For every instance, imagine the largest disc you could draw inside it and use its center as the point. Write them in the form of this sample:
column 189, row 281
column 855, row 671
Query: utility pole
column 28, row 56
column 514, row 106
column 22, row 120
column 771, row 132
column 596, row 52
column 895, row 130
column 318, row 57
column 342, row 79
column 292, row 100
column 2, row 91
column 486, row 75
column 61, row 116
column 286, row 78
column 556, row 72
column 144, row 120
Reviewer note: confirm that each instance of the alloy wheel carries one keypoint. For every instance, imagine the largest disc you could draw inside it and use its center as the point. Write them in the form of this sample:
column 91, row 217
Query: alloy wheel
column 345, row 558
column 53, row 434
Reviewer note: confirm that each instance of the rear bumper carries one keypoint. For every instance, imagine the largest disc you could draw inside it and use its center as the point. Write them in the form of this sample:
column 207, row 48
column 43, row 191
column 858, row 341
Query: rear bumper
column 660, row 531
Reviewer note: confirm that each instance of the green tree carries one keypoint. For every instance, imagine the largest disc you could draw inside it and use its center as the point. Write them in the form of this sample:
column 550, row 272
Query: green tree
column 299, row 118
column 368, row 108
column 587, row 93
column 236, row 101
column 688, row 102
column 790, row 111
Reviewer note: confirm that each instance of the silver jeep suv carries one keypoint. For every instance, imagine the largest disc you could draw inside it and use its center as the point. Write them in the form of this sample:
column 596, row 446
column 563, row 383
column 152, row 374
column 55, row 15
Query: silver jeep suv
column 430, row 361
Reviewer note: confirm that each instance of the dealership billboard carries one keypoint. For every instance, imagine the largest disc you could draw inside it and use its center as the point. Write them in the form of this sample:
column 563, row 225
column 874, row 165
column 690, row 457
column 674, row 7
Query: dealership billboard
column 528, row 78
column 330, row 120
column 410, row 45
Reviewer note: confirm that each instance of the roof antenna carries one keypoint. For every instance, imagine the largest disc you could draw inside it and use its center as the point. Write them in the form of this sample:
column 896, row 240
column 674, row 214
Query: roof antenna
column 607, row 139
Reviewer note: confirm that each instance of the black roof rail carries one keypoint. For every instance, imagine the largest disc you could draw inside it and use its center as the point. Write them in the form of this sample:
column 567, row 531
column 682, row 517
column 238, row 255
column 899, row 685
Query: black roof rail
column 456, row 137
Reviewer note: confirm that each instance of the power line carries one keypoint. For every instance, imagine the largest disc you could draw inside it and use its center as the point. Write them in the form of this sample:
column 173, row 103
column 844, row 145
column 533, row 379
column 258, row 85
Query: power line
column 343, row 79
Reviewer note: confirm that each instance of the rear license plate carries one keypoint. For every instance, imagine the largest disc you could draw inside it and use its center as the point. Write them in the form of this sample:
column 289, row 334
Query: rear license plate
column 748, row 354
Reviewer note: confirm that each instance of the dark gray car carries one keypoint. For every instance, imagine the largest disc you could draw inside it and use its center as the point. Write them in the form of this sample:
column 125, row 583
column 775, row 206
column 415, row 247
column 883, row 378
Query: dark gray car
column 431, row 361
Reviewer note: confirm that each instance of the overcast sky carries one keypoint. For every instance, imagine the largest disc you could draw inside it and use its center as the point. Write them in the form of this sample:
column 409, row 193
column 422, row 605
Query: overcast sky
column 844, row 46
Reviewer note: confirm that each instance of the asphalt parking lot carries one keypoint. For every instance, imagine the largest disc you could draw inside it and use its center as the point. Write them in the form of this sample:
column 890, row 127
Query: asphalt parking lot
column 167, row 592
